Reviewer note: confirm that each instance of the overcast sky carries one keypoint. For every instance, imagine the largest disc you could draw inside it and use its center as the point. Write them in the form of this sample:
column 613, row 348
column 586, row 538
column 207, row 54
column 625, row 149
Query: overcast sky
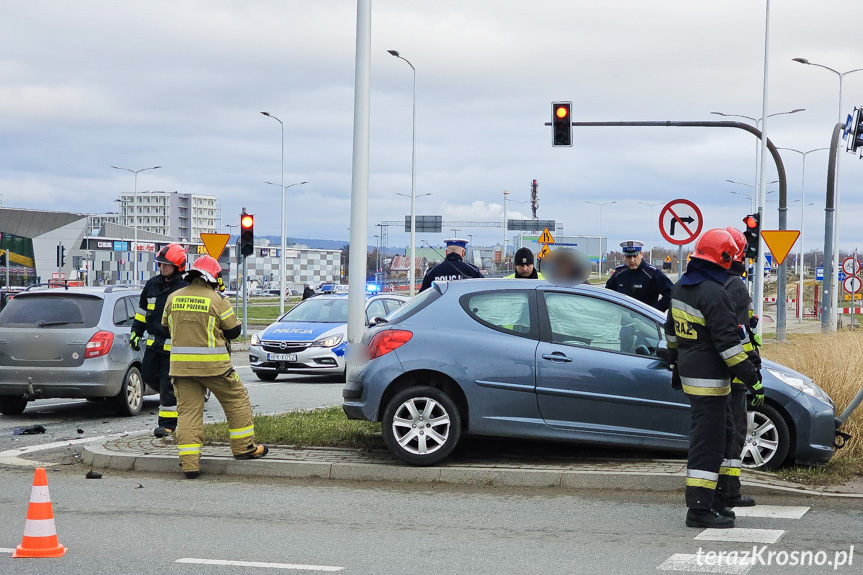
column 181, row 84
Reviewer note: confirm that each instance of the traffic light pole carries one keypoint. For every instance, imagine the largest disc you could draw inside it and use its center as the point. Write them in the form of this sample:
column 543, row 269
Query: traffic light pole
column 245, row 298
column 827, row 296
column 781, row 280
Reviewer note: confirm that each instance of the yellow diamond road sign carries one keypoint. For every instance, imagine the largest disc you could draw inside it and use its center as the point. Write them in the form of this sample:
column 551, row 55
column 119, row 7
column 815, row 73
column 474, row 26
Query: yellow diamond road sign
column 543, row 252
column 545, row 238
column 780, row 242
column 215, row 243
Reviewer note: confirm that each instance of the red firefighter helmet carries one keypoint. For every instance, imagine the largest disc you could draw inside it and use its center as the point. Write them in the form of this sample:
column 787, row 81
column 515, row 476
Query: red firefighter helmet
column 209, row 269
column 740, row 240
column 717, row 246
column 173, row 254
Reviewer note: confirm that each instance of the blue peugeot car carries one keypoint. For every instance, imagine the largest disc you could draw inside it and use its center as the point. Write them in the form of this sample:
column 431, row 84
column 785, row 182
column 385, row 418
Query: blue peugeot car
column 311, row 338
column 526, row 359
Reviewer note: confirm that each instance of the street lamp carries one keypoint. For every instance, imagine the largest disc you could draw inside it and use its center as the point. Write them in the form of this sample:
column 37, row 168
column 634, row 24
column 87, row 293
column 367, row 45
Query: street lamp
column 134, row 215
column 758, row 127
column 503, row 253
column 282, row 263
column 412, row 275
column 834, row 281
column 802, row 204
column 650, row 254
column 751, row 195
column 601, row 251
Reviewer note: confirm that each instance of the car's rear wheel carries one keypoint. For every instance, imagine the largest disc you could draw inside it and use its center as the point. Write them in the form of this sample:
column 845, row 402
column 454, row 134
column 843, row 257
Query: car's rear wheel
column 767, row 439
column 128, row 402
column 421, row 425
column 267, row 375
column 10, row 405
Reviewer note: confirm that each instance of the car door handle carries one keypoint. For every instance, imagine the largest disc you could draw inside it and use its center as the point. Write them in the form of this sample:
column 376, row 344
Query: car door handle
column 556, row 356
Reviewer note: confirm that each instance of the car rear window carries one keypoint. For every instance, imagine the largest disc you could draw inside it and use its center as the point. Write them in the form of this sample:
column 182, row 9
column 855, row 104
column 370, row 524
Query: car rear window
column 52, row 311
column 413, row 305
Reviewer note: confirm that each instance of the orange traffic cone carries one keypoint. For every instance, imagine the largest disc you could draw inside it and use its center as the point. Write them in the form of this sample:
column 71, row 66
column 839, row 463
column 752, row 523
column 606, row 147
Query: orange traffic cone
column 40, row 534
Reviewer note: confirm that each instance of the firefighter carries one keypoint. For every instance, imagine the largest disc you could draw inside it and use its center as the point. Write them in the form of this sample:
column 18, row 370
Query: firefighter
column 636, row 278
column 148, row 317
column 706, row 353
column 201, row 323
column 453, row 267
column 728, row 488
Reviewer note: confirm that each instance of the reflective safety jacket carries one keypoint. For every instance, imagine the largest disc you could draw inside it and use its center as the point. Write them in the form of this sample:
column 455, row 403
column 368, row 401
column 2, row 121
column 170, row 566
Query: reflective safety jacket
column 702, row 334
column 148, row 316
column 201, row 322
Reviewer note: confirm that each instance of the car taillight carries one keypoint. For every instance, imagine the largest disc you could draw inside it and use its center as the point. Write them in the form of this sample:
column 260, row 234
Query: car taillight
column 388, row 340
column 99, row 344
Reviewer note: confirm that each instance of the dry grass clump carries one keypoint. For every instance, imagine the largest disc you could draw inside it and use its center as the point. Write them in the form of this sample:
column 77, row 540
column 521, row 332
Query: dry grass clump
column 835, row 363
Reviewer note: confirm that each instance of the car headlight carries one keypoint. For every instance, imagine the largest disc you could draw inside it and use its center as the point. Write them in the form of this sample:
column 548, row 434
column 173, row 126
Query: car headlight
column 256, row 339
column 801, row 384
column 329, row 341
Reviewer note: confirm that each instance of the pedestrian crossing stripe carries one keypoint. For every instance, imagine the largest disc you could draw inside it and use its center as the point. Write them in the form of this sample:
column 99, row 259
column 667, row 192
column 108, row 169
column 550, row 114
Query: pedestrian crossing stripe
column 772, row 511
column 692, row 563
column 739, row 535
column 545, row 238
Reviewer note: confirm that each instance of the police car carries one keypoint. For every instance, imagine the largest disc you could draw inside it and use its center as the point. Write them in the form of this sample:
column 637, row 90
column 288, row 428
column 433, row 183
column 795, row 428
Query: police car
column 312, row 337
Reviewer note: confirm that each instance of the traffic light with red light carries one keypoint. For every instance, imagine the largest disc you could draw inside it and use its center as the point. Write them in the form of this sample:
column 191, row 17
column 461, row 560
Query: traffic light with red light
column 247, row 234
column 752, row 234
column 561, row 124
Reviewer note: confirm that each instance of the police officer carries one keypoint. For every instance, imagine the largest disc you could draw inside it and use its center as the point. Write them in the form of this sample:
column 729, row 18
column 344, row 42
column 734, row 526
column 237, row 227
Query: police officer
column 453, row 267
column 524, row 265
column 638, row 279
column 201, row 322
column 706, row 353
column 728, row 488
column 148, row 317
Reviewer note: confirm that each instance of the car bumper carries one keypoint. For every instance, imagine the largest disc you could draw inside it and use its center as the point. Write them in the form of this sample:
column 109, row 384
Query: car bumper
column 816, row 430
column 95, row 378
column 313, row 360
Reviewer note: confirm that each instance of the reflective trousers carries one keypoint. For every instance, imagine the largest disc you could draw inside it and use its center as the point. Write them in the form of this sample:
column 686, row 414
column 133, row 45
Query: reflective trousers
column 154, row 371
column 233, row 397
column 709, row 440
column 736, row 421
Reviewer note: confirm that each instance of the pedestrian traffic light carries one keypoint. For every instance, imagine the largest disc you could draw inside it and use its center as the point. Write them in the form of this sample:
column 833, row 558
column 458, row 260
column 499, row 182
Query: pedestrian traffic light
column 561, row 124
column 752, row 233
column 247, row 234
column 855, row 131
column 61, row 255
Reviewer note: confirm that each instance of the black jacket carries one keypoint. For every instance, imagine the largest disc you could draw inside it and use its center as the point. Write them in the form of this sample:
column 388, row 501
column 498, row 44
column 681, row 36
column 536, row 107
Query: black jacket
column 703, row 339
column 148, row 316
column 645, row 283
column 452, row 268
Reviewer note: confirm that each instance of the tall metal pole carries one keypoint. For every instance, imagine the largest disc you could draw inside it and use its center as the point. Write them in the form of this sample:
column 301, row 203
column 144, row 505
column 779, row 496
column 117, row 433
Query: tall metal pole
column 284, row 226
column 650, row 254
column 503, row 253
column 758, row 290
column 359, row 181
column 135, row 215
column 601, row 251
column 827, row 298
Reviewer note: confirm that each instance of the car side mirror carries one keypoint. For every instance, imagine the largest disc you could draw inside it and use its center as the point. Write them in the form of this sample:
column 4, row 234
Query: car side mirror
column 375, row 321
column 662, row 351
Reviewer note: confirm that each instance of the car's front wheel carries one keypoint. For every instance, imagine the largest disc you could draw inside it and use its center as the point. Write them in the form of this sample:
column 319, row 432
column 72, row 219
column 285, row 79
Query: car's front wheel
column 128, row 402
column 11, row 405
column 421, row 425
column 767, row 439
column 267, row 375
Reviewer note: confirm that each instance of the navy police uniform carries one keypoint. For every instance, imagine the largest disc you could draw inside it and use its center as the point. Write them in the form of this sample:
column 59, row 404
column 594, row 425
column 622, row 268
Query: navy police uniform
column 645, row 283
column 452, row 268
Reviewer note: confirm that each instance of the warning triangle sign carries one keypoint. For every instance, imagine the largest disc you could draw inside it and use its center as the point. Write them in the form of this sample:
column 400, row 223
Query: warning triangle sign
column 215, row 243
column 543, row 252
column 545, row 238
column 780, row 242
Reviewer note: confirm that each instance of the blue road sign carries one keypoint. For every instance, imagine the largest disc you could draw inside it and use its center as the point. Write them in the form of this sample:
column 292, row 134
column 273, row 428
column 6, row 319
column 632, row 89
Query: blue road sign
column 819, row 273
column 842, row 276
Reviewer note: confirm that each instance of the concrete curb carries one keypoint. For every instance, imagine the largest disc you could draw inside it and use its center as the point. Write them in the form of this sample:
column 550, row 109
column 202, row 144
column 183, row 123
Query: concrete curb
column 97, row 455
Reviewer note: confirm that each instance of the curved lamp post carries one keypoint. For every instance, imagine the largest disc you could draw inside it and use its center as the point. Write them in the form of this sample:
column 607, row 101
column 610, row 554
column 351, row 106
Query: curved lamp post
column 134, row 215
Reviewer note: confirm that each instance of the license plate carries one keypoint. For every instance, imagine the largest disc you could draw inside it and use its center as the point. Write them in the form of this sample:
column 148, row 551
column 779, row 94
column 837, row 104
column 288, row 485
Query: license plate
column 281, row 357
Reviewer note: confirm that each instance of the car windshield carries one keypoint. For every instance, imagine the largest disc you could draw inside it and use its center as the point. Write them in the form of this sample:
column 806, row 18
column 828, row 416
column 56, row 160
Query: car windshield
column 319, row 310
column 47, row 311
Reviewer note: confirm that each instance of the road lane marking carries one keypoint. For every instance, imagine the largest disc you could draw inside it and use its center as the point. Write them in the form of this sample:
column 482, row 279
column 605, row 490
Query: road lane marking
column 259, row 564
column 772, row 511
column 690, row 562
column 11, row 456
column 4, row 550
column 739, row 535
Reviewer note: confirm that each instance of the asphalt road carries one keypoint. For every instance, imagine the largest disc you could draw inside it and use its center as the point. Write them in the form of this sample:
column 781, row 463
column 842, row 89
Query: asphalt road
column 153, row 524
column 62, row 418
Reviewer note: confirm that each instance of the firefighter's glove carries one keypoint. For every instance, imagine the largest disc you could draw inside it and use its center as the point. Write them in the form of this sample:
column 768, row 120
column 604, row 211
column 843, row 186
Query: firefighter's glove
column 756, row 339
column 134, row 341
column 221, row 285
column 675, row 379
column 757, row 395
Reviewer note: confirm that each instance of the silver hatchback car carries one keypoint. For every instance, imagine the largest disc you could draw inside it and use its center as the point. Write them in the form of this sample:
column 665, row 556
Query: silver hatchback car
column 59, row 341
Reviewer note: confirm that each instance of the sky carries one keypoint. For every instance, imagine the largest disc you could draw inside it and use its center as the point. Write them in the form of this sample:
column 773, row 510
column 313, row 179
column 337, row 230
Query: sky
column 89, row 84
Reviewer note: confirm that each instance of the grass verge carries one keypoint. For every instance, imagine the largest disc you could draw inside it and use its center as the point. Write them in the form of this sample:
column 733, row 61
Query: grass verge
column 327, row 427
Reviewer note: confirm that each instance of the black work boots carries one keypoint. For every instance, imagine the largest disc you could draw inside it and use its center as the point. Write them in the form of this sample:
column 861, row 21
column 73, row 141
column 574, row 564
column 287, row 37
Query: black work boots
column 708, row 519
column 258, row 451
